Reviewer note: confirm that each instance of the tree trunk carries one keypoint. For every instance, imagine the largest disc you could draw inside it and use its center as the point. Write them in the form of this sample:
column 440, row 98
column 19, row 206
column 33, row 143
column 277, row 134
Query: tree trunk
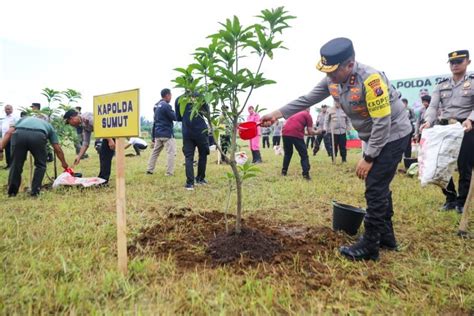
column 238, row 180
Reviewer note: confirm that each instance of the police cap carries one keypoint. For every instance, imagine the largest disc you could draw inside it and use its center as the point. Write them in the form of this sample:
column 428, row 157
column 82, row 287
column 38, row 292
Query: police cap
column 334, row 52
column 458, row 55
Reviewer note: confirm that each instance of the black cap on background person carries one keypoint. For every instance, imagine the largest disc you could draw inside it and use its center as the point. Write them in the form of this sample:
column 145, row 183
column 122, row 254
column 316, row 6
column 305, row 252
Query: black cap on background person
column 426, row 98
column 334, row 52
column 69, row 114
column 35, row 106
column 458, row 56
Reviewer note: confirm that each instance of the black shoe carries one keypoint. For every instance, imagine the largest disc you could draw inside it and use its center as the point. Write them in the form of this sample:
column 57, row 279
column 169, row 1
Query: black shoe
column 459, row 209
column 448, row 206
column 283, row 173
column 189, row 187
column 307, row 177
column 149, row 172
column 201, row 181
column 388, row 242
column 367, row 248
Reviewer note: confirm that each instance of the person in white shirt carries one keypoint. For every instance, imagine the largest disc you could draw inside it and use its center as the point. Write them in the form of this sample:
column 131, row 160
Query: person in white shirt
column 137, row 143
column 8, row 122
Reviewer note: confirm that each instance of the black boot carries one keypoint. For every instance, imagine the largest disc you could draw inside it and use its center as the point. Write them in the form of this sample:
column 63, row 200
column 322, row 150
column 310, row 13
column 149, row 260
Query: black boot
column 253, row 156
column 367, row 248
column 387, row 238
column 258, row 159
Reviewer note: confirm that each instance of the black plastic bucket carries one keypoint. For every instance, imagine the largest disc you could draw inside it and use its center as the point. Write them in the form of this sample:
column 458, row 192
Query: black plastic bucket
column 346, row 217
column 409, row 161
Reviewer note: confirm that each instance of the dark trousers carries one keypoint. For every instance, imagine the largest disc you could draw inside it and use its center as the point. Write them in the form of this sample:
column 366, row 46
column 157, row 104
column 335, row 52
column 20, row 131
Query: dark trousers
column 465, row 165
column 78, row 143
column 378, row 218
column 266, row 140
column 298, row 143
column 24, row 141
column 139, row 147
column 327, row 143
column 276, row 140
column 189, row 147
column 340, row 141
column 8, row 153
column 105, row 156
column 310, row 139
column 407, row 152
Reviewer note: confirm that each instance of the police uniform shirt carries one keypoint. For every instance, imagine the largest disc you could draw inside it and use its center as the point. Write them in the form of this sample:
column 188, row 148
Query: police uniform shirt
column 320, row 119
column 452, row 100
column 372, row 104
column 87, row 123
column 337, row 122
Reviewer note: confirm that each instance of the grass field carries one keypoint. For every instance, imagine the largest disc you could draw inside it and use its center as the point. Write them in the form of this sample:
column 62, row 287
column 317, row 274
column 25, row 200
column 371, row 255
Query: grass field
column 58, row 252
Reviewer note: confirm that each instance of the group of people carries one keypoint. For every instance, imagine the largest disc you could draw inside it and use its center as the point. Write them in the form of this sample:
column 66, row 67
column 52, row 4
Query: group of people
column 364, row 99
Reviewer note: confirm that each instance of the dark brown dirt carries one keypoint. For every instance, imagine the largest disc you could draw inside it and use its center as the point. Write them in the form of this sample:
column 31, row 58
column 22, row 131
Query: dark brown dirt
column 200, row 239
column 251, row 243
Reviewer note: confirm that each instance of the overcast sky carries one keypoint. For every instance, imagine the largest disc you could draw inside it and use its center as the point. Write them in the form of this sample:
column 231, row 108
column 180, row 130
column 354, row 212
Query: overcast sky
column 100, row 46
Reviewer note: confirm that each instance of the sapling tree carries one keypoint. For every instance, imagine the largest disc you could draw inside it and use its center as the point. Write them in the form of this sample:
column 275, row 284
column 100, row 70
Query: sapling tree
column 223, row 76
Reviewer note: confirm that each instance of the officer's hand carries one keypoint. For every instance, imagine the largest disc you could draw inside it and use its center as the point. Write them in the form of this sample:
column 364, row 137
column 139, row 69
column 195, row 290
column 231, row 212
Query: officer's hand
column 363, row 169
column 467, row 124
column 425, row 125
column 77, row 160
column 64, row 165
column 268, row 119
column 111, row 144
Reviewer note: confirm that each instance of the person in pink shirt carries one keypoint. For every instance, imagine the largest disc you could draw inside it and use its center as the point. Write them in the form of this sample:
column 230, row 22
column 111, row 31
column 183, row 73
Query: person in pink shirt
column 255, row 142
column 293, row 135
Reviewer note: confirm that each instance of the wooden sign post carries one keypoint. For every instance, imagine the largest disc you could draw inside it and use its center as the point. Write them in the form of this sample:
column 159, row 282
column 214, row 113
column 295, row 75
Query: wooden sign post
column 116, row 115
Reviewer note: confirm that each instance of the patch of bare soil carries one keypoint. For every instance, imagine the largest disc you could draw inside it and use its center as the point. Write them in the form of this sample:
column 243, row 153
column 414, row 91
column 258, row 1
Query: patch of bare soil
column 201, row 239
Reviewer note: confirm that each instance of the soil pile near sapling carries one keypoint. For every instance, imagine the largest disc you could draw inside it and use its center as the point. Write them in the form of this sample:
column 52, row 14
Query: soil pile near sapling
column 250, row 243
column 201, row 240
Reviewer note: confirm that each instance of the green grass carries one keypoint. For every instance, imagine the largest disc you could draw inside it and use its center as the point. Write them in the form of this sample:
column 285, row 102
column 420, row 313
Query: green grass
column 58, row 252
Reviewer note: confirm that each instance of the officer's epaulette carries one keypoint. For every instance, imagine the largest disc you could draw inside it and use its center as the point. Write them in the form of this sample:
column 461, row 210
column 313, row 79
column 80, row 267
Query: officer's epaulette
column 471, row 76
column 443, row 80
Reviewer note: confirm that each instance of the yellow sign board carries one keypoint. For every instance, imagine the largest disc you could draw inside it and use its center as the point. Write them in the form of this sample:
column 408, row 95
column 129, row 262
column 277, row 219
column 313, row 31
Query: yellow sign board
column 117, row 114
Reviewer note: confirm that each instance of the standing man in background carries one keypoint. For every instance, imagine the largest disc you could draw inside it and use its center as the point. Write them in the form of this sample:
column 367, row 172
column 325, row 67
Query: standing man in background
column 454, row 98
column 195, row 135
column 337, row 124
column 412, row 118
column 321, row 133
column 277, row 127
column 8, row 122
column 163, row 133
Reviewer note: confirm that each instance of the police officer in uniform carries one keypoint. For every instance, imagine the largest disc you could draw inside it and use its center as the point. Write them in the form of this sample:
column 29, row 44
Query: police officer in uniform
column 454, row 98
column 379, row 116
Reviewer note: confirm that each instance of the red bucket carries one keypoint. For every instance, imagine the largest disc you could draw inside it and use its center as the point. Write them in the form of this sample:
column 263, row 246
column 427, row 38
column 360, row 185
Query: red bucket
column 248, row 130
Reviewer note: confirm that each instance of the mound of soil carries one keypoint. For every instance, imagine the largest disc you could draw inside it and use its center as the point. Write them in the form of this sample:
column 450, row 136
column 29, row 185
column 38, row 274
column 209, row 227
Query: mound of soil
column 251, row 243
column 200, row 239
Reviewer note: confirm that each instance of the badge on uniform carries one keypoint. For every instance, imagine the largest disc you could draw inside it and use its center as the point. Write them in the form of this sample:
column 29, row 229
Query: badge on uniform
column 466, row 85
column 352, row 80
column 355, row 97
column 446, row 85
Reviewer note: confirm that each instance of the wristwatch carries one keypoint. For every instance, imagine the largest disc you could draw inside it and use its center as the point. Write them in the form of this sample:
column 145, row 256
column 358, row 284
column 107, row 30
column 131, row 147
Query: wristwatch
column 368, row 158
